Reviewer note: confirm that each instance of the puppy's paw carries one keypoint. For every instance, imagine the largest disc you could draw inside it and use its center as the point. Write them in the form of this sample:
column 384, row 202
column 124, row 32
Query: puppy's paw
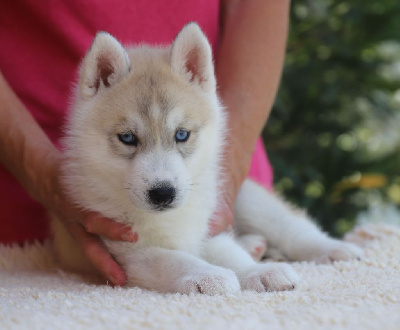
column 218, row 281
column 255, row 245
column 340, row 251
column 269, row 277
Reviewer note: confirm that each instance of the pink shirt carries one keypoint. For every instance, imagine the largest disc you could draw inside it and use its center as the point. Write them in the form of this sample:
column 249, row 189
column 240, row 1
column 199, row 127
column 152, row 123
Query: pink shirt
column 42, row 43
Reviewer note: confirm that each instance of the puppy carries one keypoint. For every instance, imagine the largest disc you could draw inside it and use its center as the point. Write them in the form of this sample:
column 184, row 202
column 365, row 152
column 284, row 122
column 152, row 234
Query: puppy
column 143, row 146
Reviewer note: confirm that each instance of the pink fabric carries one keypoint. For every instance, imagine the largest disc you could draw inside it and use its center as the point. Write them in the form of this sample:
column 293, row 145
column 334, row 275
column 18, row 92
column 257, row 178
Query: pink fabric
column 42, row 43
column 260, row 168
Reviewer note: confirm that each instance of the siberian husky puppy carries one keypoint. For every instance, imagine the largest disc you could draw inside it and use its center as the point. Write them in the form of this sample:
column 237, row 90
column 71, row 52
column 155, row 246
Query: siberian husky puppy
column 143, row 147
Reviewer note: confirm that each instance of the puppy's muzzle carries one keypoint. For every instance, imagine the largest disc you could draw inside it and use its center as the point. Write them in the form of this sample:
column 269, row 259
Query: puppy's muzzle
column 161, row 195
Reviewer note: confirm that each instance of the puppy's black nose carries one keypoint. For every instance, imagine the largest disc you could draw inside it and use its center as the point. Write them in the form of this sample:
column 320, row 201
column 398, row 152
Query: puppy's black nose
column 162, row 195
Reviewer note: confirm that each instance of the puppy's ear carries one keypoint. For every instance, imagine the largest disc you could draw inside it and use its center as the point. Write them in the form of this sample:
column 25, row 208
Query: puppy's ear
column 104, row 65
column 191, row 57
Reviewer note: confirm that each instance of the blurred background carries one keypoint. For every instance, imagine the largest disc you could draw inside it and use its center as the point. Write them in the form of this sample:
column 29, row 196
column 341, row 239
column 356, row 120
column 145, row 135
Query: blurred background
column 333, row 137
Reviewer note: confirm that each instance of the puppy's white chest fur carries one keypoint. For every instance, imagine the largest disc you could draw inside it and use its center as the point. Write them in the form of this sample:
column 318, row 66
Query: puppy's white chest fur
column 175, row 230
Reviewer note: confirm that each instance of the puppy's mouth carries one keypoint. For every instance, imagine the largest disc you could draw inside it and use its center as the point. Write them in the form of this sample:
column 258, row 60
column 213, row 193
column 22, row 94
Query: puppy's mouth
column 162, row 208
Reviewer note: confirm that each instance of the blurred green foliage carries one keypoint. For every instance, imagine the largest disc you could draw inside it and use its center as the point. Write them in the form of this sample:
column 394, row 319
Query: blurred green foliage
column 333, row 137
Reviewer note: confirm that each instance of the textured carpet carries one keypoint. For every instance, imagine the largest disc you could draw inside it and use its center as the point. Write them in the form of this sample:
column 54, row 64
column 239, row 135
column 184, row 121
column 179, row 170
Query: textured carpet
column 354, row 295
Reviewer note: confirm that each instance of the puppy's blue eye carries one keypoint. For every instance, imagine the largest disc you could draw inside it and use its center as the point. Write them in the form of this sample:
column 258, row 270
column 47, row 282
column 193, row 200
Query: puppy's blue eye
column 128, row 138
column 182, row 135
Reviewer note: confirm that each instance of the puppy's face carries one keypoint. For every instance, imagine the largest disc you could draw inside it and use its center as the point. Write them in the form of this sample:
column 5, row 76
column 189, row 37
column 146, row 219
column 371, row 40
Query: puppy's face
column 153, row 125
column 143, row 118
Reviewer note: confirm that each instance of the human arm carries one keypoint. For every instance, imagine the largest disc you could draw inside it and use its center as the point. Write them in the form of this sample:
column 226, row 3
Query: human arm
column 30, row 156
column 249, row 65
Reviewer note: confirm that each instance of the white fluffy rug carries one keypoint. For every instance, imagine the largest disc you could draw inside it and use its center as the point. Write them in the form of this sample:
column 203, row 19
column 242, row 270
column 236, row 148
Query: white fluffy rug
column 354, row 295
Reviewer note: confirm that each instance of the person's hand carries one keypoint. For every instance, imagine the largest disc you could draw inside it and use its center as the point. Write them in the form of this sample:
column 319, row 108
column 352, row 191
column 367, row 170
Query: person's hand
column 86, row 231
column 223, row 219
column 84, row 226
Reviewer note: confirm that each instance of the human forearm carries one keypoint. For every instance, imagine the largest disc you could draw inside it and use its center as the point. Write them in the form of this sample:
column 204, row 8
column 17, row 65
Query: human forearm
column 249, row 66
column 25, row 150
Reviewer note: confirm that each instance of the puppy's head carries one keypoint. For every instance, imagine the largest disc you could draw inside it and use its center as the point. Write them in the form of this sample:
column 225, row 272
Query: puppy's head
column 146, row 127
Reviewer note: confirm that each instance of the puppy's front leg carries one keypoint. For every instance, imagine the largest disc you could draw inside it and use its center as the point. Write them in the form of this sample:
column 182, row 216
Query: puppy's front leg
column 223, row 250
column 176, row 271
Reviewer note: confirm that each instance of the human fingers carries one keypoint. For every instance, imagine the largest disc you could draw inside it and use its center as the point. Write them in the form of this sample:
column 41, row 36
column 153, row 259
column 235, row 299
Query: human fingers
column 222, row 221
column 95, row 251
column 96, row 224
